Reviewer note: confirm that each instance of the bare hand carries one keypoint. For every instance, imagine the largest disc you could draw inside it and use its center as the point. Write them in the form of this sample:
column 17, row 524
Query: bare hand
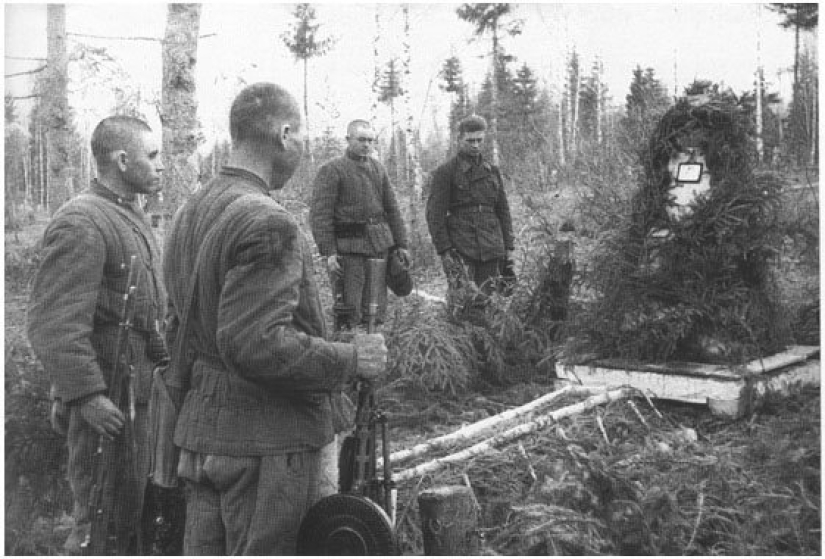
column 333, row 264
column 103, row 416
column 405, row 257
column 372, row 356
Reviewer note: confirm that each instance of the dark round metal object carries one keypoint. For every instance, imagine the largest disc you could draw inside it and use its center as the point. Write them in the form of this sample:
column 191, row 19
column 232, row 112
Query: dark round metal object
column 346, row 525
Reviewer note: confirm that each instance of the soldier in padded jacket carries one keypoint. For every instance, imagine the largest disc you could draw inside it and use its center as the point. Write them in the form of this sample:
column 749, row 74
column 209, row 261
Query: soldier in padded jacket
column 75, row 308
column 355, row 216
column 257, row 424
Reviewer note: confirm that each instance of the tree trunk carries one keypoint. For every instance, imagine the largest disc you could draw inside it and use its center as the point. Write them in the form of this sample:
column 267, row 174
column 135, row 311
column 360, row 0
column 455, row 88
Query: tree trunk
column 560, row 128
column 179, row 109
column 376, row 87
column 449, row 520
column 814, row 131
column 56, row 108
column 760, row 146
column 494, row 98
column 599, row 107
column 413, row 166
column 307, row 138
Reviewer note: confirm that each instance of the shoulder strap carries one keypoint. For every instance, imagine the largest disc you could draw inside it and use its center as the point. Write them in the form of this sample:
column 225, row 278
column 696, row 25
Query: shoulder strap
column 181, row 363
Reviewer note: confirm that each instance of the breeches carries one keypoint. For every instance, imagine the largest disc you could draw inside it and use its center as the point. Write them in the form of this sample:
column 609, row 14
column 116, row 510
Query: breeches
column 253, row 505
column 350, row 287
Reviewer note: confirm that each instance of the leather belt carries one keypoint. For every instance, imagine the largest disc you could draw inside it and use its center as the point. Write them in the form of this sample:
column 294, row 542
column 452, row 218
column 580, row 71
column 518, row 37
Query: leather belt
column 473, row 208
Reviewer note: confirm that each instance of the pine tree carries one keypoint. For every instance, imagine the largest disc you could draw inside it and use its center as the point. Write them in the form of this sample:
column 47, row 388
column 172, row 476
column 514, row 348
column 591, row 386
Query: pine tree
column 645, row 104
column 803, row 132
column 303, row 42
column 452, row 81
column 593, row 98
column 390, row 88
column 487, row 19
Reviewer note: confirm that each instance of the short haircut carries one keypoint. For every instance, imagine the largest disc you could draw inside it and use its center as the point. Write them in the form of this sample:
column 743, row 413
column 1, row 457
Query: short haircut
column 114, row 133
column 472, row 123
column 357, row 123
column 258, row 109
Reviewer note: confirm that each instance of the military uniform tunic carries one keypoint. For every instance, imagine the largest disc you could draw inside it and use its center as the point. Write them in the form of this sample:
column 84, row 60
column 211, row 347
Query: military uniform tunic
column 74, row 312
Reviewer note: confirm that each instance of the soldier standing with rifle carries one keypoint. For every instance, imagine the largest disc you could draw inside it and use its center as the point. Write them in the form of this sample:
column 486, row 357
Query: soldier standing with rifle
column 98, row 249
column 258, row 419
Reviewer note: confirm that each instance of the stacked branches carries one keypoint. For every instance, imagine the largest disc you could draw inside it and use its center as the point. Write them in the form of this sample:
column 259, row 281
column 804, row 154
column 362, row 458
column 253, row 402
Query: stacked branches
column 705, row 293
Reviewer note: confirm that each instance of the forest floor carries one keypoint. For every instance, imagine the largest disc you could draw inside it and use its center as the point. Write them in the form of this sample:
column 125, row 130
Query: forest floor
column 633, row 476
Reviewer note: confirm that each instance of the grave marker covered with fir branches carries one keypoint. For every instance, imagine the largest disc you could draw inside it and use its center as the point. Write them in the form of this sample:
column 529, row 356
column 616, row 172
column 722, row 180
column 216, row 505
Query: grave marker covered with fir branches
column 690, row 283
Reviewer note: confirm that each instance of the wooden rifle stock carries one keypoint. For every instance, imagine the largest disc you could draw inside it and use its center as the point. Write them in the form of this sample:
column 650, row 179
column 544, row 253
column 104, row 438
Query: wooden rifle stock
column 104, row 534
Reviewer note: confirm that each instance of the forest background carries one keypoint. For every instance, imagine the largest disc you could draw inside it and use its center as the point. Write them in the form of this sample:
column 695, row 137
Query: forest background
column 571, row 92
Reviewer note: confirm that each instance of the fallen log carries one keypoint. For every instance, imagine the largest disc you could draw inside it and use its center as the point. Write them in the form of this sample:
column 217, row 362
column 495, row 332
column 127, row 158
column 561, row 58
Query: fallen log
column 511, row 434
column 471, row 431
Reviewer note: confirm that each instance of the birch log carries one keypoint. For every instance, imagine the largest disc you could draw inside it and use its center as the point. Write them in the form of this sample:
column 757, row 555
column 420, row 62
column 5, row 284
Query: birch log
column 511, row 434
column 473, row 430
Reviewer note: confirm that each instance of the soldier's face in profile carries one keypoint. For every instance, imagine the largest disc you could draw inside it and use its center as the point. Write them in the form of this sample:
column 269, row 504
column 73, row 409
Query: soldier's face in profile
column 470, row 142
column 144, row 164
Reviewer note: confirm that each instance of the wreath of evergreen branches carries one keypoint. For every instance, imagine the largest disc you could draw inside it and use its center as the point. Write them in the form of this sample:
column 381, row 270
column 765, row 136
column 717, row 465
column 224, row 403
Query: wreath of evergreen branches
column 705, row 293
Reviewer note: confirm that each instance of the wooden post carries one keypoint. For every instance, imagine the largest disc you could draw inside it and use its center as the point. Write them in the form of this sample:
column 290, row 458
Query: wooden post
column 448, row 520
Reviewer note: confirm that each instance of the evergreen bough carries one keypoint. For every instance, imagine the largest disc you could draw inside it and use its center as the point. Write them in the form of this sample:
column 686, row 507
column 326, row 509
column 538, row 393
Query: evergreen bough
column 705, row 293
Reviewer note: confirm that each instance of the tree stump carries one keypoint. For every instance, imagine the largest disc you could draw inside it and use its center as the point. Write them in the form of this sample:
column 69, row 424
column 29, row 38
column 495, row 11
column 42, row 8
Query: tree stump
column 448, row 520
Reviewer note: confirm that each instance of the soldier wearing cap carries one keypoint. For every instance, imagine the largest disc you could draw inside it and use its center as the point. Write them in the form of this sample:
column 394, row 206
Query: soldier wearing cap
column 468, row 215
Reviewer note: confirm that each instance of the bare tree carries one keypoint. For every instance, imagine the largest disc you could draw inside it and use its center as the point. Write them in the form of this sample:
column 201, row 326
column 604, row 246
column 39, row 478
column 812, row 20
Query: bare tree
column 179, row 107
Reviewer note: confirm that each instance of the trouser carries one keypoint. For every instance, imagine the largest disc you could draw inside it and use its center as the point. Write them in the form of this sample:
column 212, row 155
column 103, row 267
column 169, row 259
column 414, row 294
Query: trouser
column 349, row 288
column 464, row 275
column 254, row 505
column 130, row 481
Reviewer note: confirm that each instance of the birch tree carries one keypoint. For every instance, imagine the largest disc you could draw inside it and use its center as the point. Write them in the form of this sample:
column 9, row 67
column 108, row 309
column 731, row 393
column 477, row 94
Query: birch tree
column 179, row 106
column 56, row 109
column 413, row 166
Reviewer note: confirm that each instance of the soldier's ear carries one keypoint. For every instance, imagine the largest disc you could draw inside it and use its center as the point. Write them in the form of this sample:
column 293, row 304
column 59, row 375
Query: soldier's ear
column 119, row 159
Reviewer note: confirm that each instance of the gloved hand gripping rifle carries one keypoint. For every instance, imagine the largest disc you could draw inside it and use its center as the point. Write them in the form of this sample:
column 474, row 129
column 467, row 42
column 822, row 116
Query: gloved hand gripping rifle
column 105, row 533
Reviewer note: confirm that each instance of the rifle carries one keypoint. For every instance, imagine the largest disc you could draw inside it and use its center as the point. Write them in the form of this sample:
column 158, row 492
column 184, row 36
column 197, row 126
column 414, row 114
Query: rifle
column 358, row 460
column 103, row 536
column 359, row 520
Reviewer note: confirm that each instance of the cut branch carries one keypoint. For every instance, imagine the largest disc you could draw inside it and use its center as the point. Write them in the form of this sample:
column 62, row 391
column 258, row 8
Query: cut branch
column 151, row 39
column 470, row 431
column 36, row 70
column 516, row 432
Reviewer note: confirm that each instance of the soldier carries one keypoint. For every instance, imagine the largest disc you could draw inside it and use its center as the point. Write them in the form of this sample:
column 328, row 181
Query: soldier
column 75, row 310
column 355, row 216
column 256, row 427
column 468, row 215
